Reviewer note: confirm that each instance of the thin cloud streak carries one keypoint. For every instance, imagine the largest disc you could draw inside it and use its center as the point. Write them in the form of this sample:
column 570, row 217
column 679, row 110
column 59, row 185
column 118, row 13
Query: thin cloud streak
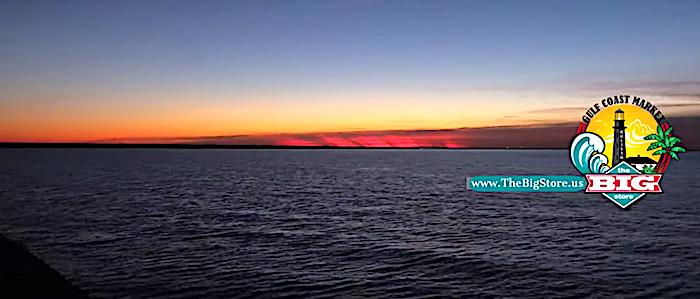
column 556, row 135
column 530, row 136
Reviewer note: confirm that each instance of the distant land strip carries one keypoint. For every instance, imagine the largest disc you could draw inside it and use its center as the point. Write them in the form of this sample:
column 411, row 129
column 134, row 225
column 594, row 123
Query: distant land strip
column 538, row 136
column 232, row 146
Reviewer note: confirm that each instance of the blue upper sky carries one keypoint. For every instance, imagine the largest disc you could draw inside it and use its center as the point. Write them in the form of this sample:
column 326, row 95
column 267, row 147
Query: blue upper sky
column 238, row 51
column 364, row 43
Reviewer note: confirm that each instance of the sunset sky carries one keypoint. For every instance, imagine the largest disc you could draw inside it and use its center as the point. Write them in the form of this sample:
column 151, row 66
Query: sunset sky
column 360, row 73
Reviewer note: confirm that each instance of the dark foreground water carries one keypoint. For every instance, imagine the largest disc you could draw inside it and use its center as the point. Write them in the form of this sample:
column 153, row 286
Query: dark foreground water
column 324, row 223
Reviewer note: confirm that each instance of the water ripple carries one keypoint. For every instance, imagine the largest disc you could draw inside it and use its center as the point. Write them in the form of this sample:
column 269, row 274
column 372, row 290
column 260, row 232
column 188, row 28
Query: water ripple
column 328, row 224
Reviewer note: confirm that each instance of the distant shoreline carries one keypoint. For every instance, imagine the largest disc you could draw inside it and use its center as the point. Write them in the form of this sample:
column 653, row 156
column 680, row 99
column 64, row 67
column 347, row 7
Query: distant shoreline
column 234, row 146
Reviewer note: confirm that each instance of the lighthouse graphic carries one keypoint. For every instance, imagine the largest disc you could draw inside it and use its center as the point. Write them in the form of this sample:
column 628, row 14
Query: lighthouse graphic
column 619, row 153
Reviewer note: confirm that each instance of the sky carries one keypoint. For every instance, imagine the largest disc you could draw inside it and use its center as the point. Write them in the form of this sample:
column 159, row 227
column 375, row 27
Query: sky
column 84, row 71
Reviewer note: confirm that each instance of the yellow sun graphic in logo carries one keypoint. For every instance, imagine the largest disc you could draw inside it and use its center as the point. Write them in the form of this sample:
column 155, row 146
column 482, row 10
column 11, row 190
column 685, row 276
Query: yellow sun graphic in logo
column 639, row 123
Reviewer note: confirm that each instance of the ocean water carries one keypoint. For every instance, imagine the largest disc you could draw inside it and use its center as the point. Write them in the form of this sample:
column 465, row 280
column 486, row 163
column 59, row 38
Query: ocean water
column 342, row 223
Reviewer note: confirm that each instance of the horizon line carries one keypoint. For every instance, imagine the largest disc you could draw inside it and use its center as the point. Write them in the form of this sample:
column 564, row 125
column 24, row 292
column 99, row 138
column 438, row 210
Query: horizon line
column 59, row 145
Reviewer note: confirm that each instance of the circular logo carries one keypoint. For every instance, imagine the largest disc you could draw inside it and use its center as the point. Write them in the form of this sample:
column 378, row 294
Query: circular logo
column 623, row 146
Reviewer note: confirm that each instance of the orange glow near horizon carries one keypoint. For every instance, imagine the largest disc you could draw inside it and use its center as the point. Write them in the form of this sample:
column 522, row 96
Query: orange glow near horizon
column 52, row 122
column 151, row 120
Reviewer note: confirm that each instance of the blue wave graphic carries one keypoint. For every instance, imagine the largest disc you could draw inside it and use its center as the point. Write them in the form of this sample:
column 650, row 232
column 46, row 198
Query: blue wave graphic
column 587, row 154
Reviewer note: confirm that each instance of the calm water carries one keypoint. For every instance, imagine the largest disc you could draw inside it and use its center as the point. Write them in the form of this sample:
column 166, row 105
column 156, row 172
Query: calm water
column 324, row 223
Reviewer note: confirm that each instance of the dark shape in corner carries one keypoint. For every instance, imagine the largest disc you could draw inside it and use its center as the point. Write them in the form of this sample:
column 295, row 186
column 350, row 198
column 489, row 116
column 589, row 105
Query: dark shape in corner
column 23, row 275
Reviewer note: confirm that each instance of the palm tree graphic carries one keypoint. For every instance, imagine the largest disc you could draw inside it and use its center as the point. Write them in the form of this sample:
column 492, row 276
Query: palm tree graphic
column 666, row 144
